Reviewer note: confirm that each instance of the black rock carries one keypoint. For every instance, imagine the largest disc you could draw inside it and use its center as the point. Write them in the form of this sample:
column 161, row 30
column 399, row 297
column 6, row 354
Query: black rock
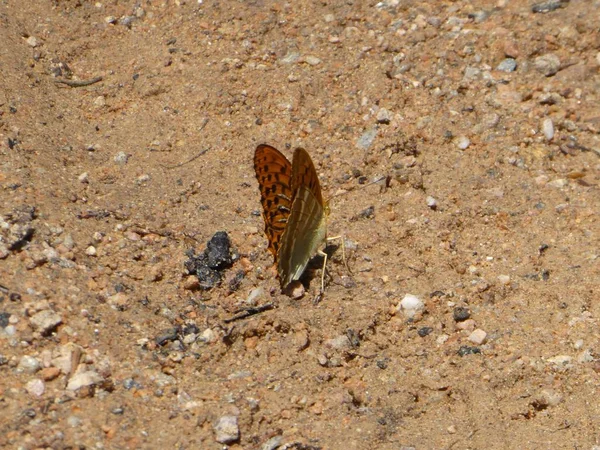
column 461, row 314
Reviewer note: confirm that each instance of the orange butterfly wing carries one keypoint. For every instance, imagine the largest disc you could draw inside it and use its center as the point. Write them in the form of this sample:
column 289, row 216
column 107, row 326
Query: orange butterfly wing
column 273, row 172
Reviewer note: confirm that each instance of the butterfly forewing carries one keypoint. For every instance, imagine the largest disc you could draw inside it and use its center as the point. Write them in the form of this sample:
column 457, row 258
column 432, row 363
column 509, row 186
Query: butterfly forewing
column 306, row 228
column 273, row 172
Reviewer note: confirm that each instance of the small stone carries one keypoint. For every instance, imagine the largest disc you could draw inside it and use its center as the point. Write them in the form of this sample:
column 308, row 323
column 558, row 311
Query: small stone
column 49, row 373
column 45, row 321
column 339, row 343
column 100, row 101
column 463, row 142
column 547, row 64
column 91, row 251
column 383, row 116
column 35, row 387
column 295, row 290
column 507, row 65
column 121, row 158
column 367, row 138
column 312, row 60
column 431, row 203
column 208, row 336
column 548, row 5
column 84, row 379
column 110, row 19
column 467, row 325
column 254, row 295
column 28, row 364
column 227, row 430
column 273, row 443
column 410, row 305
column 461, row 314
column 504, row 279
column 548, row 129
column 558, row 183
column 32, row 41
column 561, row 362
column 478, row 336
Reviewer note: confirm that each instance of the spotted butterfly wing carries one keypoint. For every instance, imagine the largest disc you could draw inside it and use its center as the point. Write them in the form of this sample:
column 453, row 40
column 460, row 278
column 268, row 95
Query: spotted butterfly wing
column 293, row 210
column 273, row 172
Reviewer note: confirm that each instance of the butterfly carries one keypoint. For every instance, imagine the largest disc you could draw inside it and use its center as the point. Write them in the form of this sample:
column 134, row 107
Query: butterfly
column 294, row 212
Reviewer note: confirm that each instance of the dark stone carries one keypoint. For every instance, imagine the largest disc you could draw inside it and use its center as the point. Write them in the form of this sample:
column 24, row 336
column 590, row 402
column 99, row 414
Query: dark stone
column 4, row 316
column 425, row 331
column 167, row 336
column 466, row 350
column 461, row 314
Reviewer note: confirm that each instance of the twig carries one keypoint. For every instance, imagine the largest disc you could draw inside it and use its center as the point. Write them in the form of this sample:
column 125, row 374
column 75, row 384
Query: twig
column 79, row 83
column 188, row 161
column 250, row 312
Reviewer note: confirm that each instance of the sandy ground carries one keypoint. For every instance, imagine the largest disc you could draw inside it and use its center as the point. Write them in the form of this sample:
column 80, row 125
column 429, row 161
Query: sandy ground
column 483, row 116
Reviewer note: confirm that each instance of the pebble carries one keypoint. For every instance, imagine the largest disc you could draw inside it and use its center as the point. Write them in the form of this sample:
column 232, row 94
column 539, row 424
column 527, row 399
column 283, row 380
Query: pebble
column 548, row 129
column 478, row 336
column 410, row 305
column 547, row 64
column 84, row 178
column 431, row 202
column 504, row 279
column 28, row 364
column 32, row 41
column 208, row 336
column 121, row 158
column 507, row 65
column 461, row 314
column 35, row 387
column 100, row 101
column 254, row 295
column 367, row 138
column 84, row 379
column 463, row 142
column 45, row 321
column 227, row 430
column 558, row 183
column 548, row 5
column 383, row 116
column 561, row 361
column 312, row 60
column 340, row 342
column 272, row 443
column 91, row 251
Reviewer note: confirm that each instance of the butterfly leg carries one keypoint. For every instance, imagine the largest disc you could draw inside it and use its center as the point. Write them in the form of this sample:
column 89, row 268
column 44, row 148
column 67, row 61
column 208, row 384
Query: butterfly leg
column 341, row 238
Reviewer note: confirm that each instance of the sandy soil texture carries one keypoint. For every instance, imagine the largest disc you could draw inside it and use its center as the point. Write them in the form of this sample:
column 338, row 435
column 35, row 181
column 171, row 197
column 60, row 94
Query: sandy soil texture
column 470, row 318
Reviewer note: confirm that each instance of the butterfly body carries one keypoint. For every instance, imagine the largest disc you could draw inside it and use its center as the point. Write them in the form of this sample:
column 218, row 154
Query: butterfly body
column 293, row 209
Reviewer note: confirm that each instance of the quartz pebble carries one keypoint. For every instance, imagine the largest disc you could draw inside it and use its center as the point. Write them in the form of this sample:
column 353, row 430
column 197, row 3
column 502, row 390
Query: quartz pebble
column 35, row 387
column 478, row 337
column 227, row 430
column 548, row 129
column 410, row 305
column 45, row 321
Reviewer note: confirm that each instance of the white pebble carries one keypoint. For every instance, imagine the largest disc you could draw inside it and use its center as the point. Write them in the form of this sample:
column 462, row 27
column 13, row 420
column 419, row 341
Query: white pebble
column 121, row 158
column 35, row 387
column 227, row 430
column 91, row 251
column 32, row 41
column 28, row 364
column 463, row 142
column 409, row 305
column 478, row 336
column 431, row 202
column 548, row 129
column 504, row 279
column 558, row 183
column 84, row 177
